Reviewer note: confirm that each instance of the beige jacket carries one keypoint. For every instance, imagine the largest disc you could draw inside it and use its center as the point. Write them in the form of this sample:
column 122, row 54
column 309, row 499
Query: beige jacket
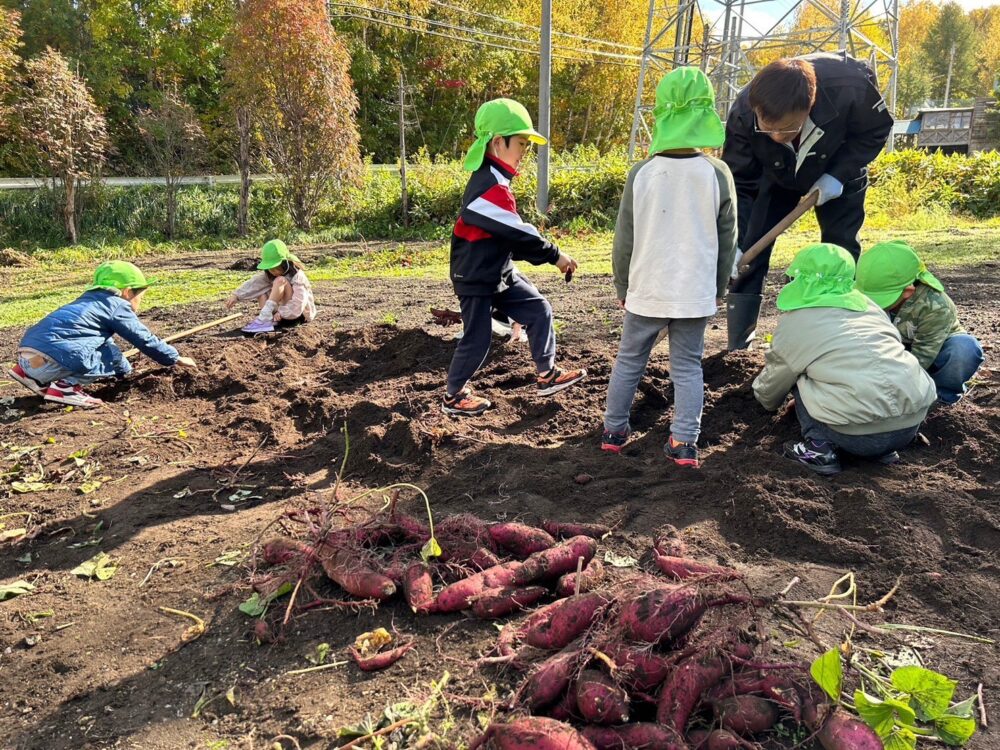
column 851, row 369
column 301, row 303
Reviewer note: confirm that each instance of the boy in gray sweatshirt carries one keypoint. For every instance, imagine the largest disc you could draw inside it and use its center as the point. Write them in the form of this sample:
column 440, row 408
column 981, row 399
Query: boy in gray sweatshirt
column 674, row 247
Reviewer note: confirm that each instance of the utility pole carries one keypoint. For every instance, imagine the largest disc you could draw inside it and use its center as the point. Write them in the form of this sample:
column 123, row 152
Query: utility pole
column 402, row 150
column 845, row 23
column 947, row 83
column 544, row 106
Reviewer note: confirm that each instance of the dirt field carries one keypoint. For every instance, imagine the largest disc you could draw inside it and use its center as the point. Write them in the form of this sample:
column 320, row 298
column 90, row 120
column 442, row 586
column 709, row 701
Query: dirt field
column 107, row 669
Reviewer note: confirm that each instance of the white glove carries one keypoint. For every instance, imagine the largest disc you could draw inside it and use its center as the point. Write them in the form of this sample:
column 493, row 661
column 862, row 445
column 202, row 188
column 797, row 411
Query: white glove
column 829, row 187
column 736, row 265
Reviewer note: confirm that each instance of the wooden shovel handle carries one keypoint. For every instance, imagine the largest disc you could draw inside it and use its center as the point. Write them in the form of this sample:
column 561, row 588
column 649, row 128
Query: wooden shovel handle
column 804, row 205
column 189, row 331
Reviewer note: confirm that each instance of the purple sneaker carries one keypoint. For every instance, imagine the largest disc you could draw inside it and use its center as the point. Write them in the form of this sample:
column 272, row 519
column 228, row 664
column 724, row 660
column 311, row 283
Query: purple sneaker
column 256, row 326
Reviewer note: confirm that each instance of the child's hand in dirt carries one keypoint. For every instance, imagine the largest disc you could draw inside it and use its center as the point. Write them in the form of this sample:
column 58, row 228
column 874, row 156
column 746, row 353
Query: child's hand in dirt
column 789, row 409
column 277, row 318
column 566, row 263
column 230, row 302
column 621, row 304
column 187, row 362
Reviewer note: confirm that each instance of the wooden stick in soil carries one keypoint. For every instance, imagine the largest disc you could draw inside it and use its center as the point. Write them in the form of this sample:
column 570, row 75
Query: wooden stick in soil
column 385, row 730
column 190, row 331
column 982, row 707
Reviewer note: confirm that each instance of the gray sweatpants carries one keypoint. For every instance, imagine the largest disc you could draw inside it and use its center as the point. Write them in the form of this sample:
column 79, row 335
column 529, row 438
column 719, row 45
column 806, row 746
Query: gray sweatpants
column 687, row 344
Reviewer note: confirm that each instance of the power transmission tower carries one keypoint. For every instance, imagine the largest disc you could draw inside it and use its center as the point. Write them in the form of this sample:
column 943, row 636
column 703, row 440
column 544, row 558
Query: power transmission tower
column 732, row 39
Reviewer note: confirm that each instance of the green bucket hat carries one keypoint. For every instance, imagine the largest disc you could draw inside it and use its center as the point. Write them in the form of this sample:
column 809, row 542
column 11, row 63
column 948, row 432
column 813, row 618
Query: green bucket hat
column 499, row 117
column 822, row 276
column 886, row 269
column 118, row 275
column 685, row 115
column 273, row 254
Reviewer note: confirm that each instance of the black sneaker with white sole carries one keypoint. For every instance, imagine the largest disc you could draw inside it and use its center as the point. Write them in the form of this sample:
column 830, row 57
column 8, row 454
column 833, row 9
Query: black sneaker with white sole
column 816, row 456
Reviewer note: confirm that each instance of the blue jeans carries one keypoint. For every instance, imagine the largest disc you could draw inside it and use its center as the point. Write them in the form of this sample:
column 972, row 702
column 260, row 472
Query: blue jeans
column 687, row 343
column 956, row 363
column 868, row 446
column 52, row 371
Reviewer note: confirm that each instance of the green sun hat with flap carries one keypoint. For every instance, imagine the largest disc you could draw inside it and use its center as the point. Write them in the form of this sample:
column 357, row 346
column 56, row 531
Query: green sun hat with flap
column 886, row 269
column 499, row 117
column 273, row 254
column 117, row 275
column 822, row 276
column 684, row 114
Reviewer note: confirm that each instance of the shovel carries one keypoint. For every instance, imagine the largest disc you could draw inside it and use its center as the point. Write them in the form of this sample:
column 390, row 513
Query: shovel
column 758, row 247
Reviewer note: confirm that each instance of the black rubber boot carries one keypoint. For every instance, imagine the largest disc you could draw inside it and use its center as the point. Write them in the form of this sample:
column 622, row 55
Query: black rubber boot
column 741, row 319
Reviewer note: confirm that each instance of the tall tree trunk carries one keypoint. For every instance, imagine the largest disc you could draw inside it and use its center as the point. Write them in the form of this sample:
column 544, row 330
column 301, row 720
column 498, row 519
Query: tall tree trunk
column 171, row 208
column 243, row 163
column 69, row 208
column 586, row 122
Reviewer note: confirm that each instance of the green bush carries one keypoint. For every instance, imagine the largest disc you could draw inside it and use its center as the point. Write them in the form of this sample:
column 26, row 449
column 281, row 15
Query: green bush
column 920, row 188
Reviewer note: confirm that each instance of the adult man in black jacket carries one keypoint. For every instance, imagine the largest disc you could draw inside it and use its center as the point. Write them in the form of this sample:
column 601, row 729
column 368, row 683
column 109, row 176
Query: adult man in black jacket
column 803, row 124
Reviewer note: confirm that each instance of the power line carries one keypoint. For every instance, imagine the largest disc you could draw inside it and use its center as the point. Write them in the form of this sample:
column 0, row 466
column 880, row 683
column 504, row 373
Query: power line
column 471, row 30
column 511, row 22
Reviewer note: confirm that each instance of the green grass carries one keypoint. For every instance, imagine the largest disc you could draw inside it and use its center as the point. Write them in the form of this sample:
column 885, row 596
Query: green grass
column 64, row 273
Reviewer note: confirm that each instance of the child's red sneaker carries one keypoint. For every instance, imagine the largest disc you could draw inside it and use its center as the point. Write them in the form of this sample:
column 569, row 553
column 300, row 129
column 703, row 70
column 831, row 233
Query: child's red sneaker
column 613, row 442
column 465, row 404
column 556, row 380
column 62, row 392
column 682, row 454
column 17, row 373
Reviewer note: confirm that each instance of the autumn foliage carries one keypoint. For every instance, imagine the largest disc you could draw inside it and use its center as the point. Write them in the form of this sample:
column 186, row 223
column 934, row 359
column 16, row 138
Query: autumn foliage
column 293, row 72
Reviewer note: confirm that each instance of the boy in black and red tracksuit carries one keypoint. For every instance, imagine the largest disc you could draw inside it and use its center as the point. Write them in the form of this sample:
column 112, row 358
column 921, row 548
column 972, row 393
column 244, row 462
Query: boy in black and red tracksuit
column 488, row 237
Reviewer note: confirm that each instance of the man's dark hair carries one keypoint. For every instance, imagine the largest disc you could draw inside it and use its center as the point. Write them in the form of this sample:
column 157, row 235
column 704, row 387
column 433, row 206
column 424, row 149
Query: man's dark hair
column 785, row 86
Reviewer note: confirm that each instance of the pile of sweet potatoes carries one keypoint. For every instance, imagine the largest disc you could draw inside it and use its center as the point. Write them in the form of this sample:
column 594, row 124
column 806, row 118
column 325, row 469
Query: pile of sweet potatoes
column 638, row 663
column 609, row 660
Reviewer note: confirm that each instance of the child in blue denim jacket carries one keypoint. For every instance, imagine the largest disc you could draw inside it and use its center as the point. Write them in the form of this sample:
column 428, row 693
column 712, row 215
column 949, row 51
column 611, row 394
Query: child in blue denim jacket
column 73, row 346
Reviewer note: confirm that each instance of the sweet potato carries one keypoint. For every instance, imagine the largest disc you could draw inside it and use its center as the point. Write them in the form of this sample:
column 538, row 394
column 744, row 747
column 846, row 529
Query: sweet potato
column 639, row 669
column 590, row 577
column 636, row 736
column 495, row 603
column 519, row 539
column 777, row 688
column 345, row 568
column 681, row 568
column 567, row 530
column 381, row 660
column 550, row 680
column 556, row 561
column 460, row 595
column 419, row 588
column 559, row 623
column 721, row 739
column 661, row 614
column 483, row 559
column 280, row 550
column 683, row 689
column 533, row 733
column 565, row 708
column 843, row 732
column 599, row 699
column 746, row 714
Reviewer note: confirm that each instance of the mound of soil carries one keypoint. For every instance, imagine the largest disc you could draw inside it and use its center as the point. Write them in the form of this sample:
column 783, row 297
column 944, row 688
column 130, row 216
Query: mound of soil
column 195, row 465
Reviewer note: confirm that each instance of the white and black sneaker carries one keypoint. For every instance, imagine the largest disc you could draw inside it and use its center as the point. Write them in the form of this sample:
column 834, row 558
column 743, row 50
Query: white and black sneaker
column 816, row 456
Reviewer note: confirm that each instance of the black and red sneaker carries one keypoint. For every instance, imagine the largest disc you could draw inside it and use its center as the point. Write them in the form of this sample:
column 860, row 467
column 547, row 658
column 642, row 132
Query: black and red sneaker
column 17, row 373
column 556, row 380
column 682, row 454
column 613, row 442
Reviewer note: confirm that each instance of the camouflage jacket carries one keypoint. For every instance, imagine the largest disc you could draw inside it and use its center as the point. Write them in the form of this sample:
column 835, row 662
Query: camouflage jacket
column 924, row 321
